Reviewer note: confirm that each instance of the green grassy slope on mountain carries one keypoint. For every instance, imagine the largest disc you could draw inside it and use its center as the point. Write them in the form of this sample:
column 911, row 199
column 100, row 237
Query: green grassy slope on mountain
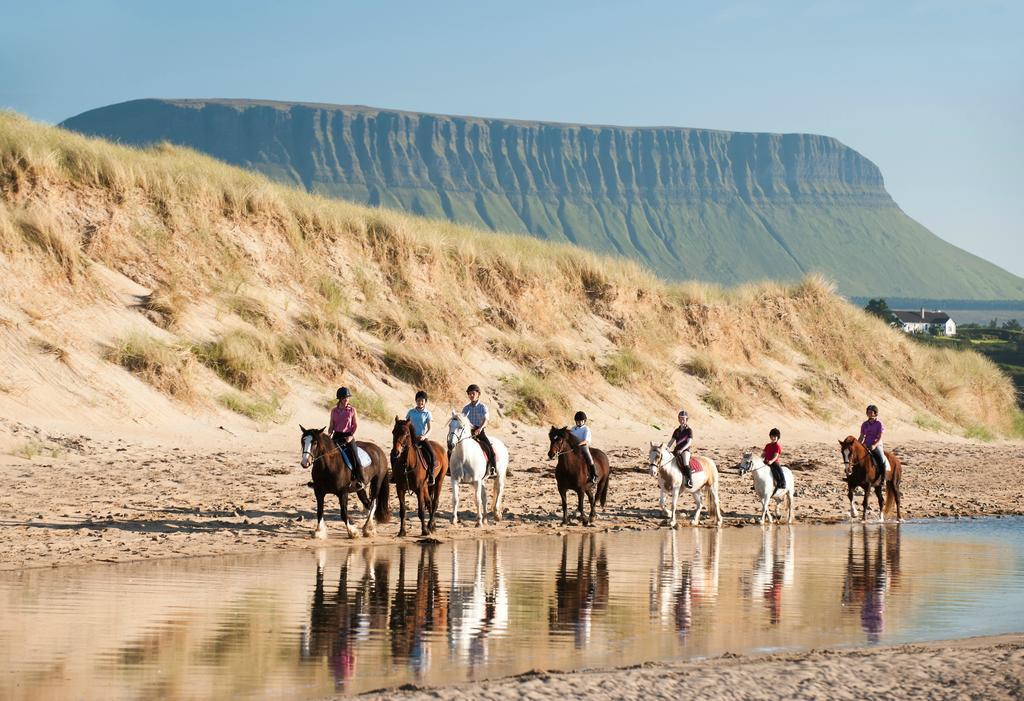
column 688, row 203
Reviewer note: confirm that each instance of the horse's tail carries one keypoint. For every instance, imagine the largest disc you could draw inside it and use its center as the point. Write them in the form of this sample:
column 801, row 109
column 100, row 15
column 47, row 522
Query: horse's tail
column 602, row 496
column 890, row 494
column 383, row 512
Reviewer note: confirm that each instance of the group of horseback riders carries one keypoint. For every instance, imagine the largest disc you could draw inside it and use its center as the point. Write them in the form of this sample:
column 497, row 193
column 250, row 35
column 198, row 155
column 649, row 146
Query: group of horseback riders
column 344, row 423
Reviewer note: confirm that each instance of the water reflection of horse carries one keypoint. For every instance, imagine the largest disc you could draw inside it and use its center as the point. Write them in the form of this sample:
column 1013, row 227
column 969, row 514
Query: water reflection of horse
column 477, row 610
column 683, row 580
column 772, row 573
column 338, row 622
column 419, row 614
column 872, row 571
column 580, row 594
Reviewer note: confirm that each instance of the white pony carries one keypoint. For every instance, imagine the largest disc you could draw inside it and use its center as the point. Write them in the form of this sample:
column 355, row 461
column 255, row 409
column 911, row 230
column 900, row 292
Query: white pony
column 764, row 484
column 663, row 465
column 467, row 464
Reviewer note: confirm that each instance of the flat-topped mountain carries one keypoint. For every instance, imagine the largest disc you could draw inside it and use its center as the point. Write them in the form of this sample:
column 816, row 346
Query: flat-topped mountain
column 722, row 206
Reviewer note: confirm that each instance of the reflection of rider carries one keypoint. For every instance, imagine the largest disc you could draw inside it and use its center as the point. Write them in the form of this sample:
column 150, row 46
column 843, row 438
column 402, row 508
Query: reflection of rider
column 680, row 443
column 331, row 631
column 582, row 434
column 416, row 614
column 477, row 610
column 342, row 429
column 476, row 412
column 870, row 579
column 420, row 418
column 871, row 437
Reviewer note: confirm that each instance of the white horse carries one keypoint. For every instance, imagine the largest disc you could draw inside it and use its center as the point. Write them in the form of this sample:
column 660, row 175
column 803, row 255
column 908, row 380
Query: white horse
column 663, row 465
column 764, row 486
column 467, row 464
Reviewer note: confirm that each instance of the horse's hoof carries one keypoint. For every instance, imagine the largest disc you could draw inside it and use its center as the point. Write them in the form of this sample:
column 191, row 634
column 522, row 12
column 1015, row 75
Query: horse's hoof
column 320, row 535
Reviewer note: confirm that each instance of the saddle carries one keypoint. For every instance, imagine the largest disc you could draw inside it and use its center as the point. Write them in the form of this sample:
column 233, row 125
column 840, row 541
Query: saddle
column 695, row 466
column 488, row 452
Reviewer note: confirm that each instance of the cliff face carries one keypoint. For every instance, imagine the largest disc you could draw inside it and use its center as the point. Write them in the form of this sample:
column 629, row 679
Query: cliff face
column 689, row 203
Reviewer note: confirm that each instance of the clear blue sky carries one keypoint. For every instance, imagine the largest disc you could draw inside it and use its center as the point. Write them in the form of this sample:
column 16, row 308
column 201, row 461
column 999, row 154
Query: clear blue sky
column 931, row 91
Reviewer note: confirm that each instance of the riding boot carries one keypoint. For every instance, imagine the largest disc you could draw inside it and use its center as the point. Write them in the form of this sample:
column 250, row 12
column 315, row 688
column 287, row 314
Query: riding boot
column 591, row 473
column 357, row 469
column 688, row 477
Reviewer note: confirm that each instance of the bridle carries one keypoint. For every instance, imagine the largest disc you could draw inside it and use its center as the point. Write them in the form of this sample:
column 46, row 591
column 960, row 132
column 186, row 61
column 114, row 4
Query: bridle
column 847, row 453
column 654, row 468
column 750, row 466
column 564, row 441
column 461, row 434
column 307, row 452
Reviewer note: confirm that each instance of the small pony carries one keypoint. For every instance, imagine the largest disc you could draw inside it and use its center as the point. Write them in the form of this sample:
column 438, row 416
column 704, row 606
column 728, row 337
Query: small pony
column 764, row 485
column 663, row 465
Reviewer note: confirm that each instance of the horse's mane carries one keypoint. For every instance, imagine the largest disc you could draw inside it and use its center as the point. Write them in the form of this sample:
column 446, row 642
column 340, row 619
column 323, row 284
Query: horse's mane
column 565, row 433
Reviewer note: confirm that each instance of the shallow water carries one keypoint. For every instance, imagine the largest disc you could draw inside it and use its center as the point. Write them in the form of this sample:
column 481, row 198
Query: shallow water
column 310, row 624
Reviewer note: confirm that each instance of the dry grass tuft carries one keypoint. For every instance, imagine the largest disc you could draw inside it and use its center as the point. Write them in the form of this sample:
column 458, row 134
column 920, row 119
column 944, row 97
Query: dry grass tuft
column 243, row 358
column 420, row 366
column 250, row 309
column 166, row 367
column 262, row 411
column 535, row 400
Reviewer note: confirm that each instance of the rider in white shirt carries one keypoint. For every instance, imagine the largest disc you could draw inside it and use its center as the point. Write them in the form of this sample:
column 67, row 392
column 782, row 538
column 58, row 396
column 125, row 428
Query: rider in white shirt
column 582, row 433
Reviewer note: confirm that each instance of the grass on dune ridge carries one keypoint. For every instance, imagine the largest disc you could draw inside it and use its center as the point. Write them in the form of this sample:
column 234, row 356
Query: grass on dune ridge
column 358, row 291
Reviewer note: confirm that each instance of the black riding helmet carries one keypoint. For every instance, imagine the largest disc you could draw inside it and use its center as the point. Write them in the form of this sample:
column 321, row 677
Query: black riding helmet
column 775, row 433
column 421, row 395
column 872, row 407
column 473, row 388
column 343, row 392
column 580, row 416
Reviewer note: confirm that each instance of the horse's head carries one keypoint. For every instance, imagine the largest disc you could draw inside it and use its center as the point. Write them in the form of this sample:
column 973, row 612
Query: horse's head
column 559, row 441
column 458, row 427
column 401, row 436
column 746, row 463
column 310, row 444
column 655, row 458
column 847, row 447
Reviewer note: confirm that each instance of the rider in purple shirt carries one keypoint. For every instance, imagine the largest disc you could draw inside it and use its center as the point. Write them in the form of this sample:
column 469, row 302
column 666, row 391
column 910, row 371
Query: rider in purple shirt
column 871, row 438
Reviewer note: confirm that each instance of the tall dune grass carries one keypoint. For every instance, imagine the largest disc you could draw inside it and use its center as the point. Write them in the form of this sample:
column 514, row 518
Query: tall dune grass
column 371, row 291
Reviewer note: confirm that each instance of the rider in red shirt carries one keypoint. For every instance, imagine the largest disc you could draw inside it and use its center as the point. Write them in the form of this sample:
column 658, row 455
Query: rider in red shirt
column 770, row 455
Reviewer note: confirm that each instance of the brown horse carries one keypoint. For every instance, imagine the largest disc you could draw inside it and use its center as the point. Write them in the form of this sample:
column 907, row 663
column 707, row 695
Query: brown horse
column 861, row 471
column 332, row 476
column 571, row 472
column 411, row 474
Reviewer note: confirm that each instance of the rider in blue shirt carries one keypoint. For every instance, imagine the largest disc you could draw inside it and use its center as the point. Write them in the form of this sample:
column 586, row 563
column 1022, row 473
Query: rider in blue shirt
column 420, row 418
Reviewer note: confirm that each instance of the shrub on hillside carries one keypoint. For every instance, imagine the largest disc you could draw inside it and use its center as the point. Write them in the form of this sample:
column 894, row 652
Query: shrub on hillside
column 166, row 367
column 241, row 358
column 534, row 399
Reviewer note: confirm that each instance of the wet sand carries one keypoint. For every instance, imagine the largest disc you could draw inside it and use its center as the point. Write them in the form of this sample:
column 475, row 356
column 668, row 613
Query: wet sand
column 977, row 668
column 101, row 500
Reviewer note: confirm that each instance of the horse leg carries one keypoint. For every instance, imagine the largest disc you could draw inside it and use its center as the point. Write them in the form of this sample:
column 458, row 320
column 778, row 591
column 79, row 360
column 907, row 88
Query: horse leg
column 321, row 528
column 853, row 508
column 431, row 508
column 661, row 500
column 353, row 532
column 369, row 527
column 565, row 507
column 455, row 501
column 481, row 502
column 789, row 504
column 765, row 514
column 421, row 513
column 896, row 496
column 881, row 504
column 592, row 496
column 583, row 514
column 499, row 490
column 717, row 505
column 401, row 511
column 675, row 504
column 698, row 497
column 864, row 512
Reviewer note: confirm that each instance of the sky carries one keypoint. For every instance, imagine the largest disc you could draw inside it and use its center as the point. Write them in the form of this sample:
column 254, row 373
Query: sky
column 931, row 91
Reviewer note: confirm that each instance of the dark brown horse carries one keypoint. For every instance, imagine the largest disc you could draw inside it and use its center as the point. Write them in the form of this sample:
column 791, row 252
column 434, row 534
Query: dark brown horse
column 411, row 474
column 861, row 471
column 332, row 476
column 571, row 472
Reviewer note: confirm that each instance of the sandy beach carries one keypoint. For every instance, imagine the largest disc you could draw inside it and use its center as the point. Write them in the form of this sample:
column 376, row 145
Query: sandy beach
column 102, row 499
column 977, row 668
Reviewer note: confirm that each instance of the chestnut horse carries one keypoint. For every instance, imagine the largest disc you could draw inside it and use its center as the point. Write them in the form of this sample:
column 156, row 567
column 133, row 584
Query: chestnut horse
column 861, row 471
column 332, row 476
column 571, row 472
column 411, row 474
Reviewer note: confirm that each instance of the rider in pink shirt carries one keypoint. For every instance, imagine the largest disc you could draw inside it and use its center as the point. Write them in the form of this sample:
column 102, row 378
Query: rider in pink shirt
column 342, row 429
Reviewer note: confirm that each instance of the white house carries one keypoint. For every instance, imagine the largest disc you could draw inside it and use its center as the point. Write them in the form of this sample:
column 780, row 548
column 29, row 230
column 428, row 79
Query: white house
column 923, row 321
